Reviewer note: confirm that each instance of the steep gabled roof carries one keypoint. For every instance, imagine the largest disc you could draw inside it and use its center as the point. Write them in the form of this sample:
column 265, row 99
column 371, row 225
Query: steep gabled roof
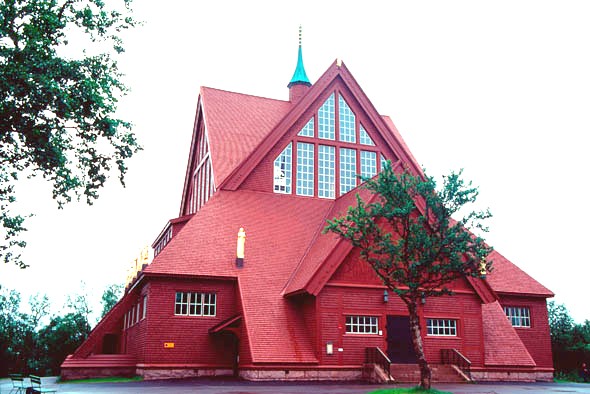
column 277, row 235
column 503, row 346
column 336, row 75
column 508, row 278
column 235, row 124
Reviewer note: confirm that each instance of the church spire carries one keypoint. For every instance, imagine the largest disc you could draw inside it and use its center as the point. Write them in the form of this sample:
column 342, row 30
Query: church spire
column 299, row 76
column 299, row 82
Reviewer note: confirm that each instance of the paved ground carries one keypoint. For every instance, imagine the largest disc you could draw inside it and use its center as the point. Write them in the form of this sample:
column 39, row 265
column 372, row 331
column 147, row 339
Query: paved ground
column 203, row 386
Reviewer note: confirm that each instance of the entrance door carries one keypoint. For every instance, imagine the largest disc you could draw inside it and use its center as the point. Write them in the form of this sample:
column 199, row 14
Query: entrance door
column 399, row 340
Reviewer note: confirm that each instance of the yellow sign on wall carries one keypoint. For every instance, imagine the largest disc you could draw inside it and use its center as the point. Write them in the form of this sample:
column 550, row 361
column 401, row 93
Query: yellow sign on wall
column 168, row 345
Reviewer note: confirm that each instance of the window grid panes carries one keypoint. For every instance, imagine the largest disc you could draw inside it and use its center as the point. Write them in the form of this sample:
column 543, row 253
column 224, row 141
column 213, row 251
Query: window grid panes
column 362, row 325
column 364, row 137
column 347, row 170
column 326, row 171
column 383, row 161
column 518, row 316
column 305, row 166
column 441, row 327
column 195, row 304
column 347, row 122
column 283, row 172
column 326, row 119
column 368, row 164
column 307, row 130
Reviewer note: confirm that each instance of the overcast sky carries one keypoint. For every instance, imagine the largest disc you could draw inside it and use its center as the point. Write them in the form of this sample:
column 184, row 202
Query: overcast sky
column 499, row 88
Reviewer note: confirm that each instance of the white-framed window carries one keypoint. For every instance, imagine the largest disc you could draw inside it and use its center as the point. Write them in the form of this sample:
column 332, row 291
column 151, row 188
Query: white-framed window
column 282, row 171
column 362, row 324
column 368, row 164
column 326, row 119
column 305, row 169
column 307, row 130
column 144, row 309
column 326, row 171
column 364, row 137
column 519, row 316
column 195, row 304
column 346, row 128
column 441, row 327
column 347, row 170
column 137, row 313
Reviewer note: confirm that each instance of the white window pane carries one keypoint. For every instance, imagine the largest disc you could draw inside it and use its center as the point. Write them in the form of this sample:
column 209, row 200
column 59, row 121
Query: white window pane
column 307, row 130
column 282, row 171
column 368, row 164
column 346, row 121
column 326, row 119
column 305, row 168
column 326, row 171
column 347, row 170
column 364, row 137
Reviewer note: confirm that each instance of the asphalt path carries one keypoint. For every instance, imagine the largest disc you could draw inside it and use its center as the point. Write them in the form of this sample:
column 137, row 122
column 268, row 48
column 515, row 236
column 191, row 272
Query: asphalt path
column 227, row 386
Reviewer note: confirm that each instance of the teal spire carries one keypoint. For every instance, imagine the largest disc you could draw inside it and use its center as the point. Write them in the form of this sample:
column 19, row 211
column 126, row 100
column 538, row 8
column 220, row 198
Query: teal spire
column 299, row 76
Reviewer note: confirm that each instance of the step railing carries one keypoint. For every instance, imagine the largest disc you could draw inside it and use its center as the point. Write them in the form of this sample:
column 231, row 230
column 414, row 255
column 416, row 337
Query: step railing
column 454, row 357
column 374, row 355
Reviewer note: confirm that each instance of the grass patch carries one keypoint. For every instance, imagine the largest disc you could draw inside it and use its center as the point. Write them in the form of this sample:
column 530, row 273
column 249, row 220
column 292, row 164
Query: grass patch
column 113, row 379
column 412, row 390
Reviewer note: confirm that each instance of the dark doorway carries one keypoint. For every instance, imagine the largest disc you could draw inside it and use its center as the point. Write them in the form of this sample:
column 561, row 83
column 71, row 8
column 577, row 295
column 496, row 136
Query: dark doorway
column 399, row 340
column 109, row 343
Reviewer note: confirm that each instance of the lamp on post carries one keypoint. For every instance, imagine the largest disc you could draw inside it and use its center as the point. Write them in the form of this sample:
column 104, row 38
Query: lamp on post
column 385, row 295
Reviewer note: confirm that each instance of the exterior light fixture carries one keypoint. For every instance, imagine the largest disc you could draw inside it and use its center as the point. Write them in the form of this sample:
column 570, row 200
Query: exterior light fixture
column 423, row 298
column 385, row 295
column 240, row 248
column 329, row 348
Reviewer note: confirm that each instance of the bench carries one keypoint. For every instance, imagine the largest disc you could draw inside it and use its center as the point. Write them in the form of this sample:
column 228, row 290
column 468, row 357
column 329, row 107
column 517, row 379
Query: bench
column 36, row 385
column 18, row 383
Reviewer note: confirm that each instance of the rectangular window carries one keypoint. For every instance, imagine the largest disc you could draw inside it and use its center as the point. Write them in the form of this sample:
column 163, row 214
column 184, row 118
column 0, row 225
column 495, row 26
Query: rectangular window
column 347, row 122
column 144, row 309
column 326, row 119
column 305, row 169
column 195, row 304
column 347, row 170
column 368, row 164
column 326, row 171
column 282, row 171
column 518, row 316
column 441, row 327
column 137, row 313
column 362, row 325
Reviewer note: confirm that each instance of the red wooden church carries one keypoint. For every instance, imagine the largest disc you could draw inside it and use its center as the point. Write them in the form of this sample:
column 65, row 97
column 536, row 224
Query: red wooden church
column 244, row 283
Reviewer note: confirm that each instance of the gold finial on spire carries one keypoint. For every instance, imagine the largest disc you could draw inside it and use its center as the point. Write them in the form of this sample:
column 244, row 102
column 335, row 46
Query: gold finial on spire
column 300, row 33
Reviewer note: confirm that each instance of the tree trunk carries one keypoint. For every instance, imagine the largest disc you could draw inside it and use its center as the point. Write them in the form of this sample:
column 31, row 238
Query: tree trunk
column 425, row 373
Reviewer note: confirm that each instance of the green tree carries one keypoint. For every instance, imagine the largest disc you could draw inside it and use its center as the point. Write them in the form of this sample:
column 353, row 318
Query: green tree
column 570, row 342
column 15, row 333
column 406, row 233
column 57, row 105
column 110, row 297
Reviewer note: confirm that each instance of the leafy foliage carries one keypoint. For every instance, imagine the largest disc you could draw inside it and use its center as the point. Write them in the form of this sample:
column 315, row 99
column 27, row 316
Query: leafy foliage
column 407, row 234
column 110, row 297
column 570, row 342
column 57, row 110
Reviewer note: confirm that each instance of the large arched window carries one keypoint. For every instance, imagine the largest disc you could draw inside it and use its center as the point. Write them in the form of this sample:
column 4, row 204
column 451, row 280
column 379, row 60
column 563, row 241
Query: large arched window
column 327, row 154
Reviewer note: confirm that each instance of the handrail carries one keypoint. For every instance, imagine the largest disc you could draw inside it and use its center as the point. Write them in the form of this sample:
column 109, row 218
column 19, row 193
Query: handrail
column 374, row 355
column 454, row 357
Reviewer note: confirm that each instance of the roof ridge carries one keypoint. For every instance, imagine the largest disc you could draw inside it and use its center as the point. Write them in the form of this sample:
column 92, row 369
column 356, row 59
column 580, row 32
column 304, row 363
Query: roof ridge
column 243, row 94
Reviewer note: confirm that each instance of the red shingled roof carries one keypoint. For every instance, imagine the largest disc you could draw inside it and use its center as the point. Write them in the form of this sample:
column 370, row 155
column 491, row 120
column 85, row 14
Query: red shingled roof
column 236, row 123
column 279, row 229
column 503, row 346
column 508, row 278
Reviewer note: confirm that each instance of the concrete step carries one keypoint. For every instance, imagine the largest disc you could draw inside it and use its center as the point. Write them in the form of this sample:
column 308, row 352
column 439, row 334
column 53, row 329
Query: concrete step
column 410, row 373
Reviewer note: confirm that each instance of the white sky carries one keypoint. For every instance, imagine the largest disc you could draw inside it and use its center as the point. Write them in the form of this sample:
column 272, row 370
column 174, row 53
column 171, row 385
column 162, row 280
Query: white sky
column 501, row 89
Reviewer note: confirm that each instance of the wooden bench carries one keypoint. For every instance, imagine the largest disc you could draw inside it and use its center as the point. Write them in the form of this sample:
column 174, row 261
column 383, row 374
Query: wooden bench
column 36, row 385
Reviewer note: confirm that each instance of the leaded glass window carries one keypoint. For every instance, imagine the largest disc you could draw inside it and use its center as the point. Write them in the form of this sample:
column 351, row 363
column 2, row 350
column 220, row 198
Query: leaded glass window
column 326, row 171
column 305, row 169
column 362, row 325
column 307, row 130
column 282, row 171
column 346, row 122
column 364, row 137
column 518, row 316
column 195, row 304
column 326, row 119
column 347, row 170
column 368, row 164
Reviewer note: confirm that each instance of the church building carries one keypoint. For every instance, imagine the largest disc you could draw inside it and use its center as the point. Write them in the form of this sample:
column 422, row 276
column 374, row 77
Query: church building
column 245, row 283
